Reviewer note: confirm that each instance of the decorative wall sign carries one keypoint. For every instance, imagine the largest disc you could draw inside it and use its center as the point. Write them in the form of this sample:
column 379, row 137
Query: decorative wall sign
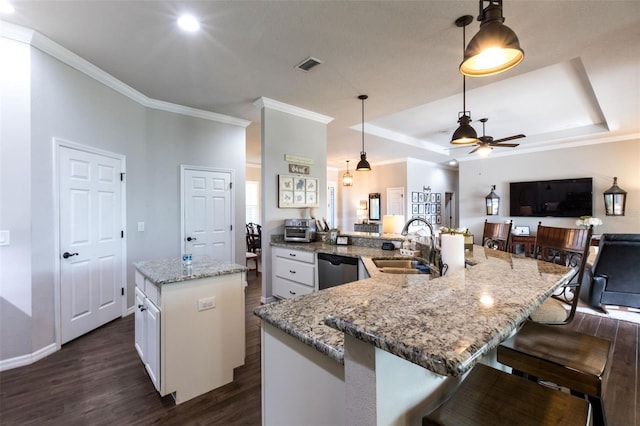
column 297, row 168
column 296, row 159
column 296, row 191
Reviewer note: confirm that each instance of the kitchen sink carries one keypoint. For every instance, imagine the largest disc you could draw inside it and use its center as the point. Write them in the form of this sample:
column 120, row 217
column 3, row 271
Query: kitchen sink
column 402, row 266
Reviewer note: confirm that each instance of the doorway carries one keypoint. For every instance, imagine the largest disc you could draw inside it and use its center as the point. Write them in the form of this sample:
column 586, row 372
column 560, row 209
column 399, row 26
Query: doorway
column 207, row 212
column 91, row 258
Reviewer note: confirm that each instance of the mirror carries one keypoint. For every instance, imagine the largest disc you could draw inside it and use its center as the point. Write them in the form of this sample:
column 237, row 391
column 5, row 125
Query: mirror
column 374, row 206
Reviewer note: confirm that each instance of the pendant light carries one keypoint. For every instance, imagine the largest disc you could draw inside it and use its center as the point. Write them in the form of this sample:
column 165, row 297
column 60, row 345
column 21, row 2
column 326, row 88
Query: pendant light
column 465, row 134
column 495, row 48
column 363, row 164
column 347, row 179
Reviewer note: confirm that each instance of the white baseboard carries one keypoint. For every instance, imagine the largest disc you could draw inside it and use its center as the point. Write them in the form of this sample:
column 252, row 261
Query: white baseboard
column 265, row 300
column 22, row 360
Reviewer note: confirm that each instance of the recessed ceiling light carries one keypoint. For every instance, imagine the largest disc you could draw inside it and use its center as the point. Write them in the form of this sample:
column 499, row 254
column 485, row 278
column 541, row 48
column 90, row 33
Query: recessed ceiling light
column 6, row 7
column 189, row 23
column 452, row 163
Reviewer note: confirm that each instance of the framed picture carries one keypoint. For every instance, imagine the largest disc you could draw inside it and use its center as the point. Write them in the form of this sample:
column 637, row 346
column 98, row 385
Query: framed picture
column 421, row 197
column 414, row 208
column 342, row 240
column 427, row 208
column 420, row 208
column 296, row 191
column 438, row 208
column 439, row 219
column 414, row 197
column 438, row 200
column 433, row 198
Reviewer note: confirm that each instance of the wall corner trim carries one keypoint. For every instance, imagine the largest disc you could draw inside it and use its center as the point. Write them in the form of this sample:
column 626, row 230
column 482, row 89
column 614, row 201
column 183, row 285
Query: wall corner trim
column 291, row 109
column 50, row 47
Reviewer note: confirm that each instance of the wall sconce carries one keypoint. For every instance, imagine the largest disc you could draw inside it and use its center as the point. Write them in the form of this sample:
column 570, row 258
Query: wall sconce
column 347, row 179
column 492, row 202
column 615, row 200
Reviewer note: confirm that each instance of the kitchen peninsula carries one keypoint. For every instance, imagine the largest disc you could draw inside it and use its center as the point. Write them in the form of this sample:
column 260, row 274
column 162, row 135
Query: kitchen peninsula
column 189, row 324
column 387, row 349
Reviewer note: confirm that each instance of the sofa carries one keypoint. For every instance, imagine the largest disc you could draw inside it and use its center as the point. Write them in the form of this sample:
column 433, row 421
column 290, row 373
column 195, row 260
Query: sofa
column 614, row 277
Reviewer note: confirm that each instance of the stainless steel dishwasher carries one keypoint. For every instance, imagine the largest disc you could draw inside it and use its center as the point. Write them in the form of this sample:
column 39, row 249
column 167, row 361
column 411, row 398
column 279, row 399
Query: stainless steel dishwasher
column 334, row 270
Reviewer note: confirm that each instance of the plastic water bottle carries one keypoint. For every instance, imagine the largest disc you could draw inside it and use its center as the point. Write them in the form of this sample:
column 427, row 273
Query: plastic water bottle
column 186, row 263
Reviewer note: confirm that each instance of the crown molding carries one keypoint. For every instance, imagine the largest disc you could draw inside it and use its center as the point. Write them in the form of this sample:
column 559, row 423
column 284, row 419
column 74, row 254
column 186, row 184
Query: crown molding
column 51, row 48
column 293, row 110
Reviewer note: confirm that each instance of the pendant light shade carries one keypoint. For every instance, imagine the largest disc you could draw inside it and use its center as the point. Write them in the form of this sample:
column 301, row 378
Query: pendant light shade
column 363, row 164
column 495, row 48
column 347, row 179
column 465, row 134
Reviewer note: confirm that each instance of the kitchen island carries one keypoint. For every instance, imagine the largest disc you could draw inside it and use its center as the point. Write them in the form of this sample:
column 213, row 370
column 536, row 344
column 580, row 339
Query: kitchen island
column 189, row 324
column 387, row 349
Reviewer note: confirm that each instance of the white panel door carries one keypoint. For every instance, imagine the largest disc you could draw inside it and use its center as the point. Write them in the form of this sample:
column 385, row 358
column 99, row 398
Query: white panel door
column 395, row 201
column 90, row 194
column 207, row 213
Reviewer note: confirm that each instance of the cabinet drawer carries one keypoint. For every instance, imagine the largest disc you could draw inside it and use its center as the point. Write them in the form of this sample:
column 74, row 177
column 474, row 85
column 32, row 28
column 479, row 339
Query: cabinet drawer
column 139, row 280
column 286, row 289
column 303, row 273
column 300, row 256
column 152, row 292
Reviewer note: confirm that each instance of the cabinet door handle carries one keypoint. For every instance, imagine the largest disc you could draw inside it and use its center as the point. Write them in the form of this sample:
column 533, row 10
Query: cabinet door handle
column 293, row 272
column 142, row 308
column 292, row 292
column 292, row 254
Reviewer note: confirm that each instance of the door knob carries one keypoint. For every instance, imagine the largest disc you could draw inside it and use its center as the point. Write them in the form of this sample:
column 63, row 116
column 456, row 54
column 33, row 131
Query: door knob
column 67, row 255
column 191, row 238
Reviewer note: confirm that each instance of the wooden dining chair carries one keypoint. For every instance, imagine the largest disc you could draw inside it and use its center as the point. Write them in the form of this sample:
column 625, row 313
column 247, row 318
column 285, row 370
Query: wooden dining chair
column 544, row 349
column 496, row 235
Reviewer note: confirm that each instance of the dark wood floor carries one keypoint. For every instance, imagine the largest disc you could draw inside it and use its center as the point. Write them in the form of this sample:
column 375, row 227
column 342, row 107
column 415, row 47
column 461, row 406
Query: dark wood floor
column 98, row 379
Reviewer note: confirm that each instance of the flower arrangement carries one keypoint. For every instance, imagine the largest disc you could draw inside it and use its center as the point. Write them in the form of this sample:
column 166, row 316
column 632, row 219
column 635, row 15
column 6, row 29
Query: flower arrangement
column 586, row 221
column 461, row 231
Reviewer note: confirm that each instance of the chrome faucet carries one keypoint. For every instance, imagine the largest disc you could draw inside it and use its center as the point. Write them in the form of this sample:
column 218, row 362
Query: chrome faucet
column 405, row 230
column 434, row 257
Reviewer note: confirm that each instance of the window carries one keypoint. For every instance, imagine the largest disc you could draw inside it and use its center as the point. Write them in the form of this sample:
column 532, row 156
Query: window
column 252, row 195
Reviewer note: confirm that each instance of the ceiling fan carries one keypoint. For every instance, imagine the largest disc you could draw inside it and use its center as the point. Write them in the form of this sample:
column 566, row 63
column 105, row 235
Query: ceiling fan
column 487, row 142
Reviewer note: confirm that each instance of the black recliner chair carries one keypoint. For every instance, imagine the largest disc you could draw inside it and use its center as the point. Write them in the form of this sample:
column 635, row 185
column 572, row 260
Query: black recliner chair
column 614, row 278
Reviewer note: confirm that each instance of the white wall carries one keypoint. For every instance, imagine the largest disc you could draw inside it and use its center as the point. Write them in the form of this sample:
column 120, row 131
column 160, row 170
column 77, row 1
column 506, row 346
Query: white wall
column 287, row 133
column 601, row 162
column 422, row 174
column 51, row 99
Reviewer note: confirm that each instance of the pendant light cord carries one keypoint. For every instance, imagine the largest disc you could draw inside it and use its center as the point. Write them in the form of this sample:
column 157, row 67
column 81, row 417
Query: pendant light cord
column 363, row 125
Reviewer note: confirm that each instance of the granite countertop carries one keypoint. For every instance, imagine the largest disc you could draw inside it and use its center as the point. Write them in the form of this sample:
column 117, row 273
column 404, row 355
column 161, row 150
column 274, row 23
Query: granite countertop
column 171, row 270
column 443, row 324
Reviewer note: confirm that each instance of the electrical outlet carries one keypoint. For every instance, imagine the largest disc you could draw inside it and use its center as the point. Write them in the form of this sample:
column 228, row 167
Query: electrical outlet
column 206, row 303
column 140, row 226
column 5, row 238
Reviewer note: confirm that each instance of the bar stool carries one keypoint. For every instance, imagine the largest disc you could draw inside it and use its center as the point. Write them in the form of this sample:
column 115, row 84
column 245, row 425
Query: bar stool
column 491, row 397
column 545, row 350
column 577, row 361
column 496, row 235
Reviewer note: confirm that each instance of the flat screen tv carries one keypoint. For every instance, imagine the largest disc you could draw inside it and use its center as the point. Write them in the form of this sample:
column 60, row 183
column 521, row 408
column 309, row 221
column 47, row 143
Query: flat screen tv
column 555, row 198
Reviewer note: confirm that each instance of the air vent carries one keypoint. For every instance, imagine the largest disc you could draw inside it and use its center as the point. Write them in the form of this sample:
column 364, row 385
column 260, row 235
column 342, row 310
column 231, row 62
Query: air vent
column 308, row 63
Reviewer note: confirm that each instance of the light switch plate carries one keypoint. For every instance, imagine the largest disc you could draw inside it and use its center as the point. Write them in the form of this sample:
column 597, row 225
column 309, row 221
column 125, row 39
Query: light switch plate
column 140, row 226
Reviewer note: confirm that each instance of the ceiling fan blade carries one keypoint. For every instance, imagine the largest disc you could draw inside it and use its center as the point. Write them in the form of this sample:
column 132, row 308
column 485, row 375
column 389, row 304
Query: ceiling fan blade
column 505, row 145
column 509, row 138
column 475, row 149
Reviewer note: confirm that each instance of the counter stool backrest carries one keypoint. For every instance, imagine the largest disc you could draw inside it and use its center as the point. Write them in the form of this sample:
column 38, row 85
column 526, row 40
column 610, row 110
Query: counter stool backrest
column 496, row 235
column 569, row 247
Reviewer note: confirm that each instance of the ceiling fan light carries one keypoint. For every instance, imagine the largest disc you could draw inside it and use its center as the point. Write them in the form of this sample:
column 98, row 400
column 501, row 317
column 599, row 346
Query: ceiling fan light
column 494, row 49
column 363, row 164
column 484, row 150
column 465, row 134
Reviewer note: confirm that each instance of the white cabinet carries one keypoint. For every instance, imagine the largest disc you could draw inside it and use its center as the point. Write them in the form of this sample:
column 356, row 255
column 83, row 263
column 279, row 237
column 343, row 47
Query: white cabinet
column 190, row 334
column 147, row 328
column 294, row 272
